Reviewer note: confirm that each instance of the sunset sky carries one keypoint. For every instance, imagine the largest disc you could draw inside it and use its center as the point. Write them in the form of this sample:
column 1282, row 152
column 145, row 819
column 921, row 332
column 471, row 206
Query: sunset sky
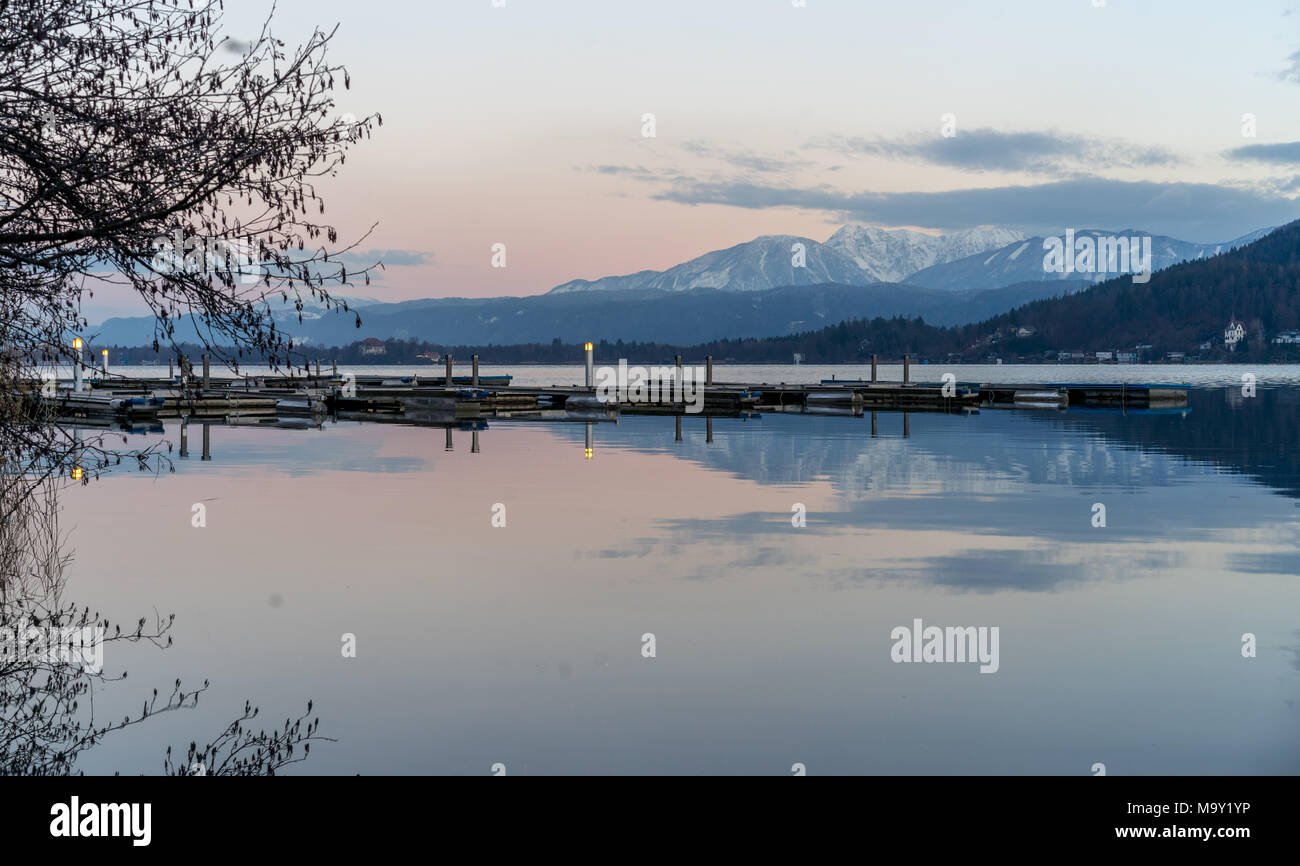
column 522, row 125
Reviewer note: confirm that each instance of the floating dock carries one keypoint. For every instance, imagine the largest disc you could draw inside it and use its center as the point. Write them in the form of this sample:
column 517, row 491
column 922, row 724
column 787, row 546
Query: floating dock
column 445, row 401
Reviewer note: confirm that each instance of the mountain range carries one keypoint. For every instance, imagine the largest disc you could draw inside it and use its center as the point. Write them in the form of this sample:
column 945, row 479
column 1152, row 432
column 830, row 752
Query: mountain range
column 791, row 283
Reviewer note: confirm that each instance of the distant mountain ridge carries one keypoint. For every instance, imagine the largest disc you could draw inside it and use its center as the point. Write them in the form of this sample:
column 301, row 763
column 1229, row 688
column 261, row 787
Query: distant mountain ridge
column 893, row 256
column 1022, row 260
column 855, row 255
column 680, row 317
column 750, row 289
column 767, row 262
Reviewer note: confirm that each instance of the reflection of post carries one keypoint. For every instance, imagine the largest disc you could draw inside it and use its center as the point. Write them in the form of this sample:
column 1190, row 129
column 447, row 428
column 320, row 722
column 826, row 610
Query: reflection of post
column 589, row 451
column 907, row 427
column 679, row 428
column 207, row 442
column 185, row 437
column 448, row 438
column 474, row 360
column 873, row 371
column 473, row 445
column 873, row 425
column 708, row 429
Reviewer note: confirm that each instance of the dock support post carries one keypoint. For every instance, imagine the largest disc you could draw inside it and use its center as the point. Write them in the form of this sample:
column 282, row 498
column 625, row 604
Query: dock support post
column 318, row 368
column 474, row 381
column 171, row 372
column 336, row 366
column 679, row 390
column 679, row 429
column 449, row 362
column 873, row 369
column 207, row 442
column 590, row 348
column 448, row 438
column 185, row 437
column 207, row 371
column 907, row 369
column 708, row 369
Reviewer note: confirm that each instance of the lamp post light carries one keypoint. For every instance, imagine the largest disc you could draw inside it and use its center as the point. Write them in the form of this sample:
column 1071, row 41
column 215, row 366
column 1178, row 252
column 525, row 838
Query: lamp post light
column 76, row 364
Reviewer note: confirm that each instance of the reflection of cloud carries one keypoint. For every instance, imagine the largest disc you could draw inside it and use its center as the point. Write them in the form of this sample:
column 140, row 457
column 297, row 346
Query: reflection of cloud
column 1266, row 563
column 1037, row 152
column 1023, row 570
column 1294, row 649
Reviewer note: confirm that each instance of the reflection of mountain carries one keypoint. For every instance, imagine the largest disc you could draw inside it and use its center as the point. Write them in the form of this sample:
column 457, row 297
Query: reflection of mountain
column 996, row 452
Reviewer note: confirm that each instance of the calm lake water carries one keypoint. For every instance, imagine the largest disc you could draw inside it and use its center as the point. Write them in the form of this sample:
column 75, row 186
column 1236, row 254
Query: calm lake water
column 523, row 644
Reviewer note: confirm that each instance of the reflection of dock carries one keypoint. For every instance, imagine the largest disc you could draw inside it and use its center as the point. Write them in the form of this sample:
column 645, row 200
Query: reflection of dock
column 1087, row 394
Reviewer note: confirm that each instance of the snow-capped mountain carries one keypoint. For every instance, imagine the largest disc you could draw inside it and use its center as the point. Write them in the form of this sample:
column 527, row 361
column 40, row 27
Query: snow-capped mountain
column 766, row 262
column 892, row 256
column 1023, row 260
column 974, row 259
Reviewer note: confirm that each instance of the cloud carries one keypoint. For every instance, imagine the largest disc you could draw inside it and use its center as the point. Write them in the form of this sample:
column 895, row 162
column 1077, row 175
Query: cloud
column 1034, row 152
column 1282, row 153
column 1199, row 212
column 744, row 160
column 390, row 258
column 1292, row 71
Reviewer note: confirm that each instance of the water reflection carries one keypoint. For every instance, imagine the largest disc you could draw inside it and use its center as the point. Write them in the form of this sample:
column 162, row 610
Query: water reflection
column 520, row 644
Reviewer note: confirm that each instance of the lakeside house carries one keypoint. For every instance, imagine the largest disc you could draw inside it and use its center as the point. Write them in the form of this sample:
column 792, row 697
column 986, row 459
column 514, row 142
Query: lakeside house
column 373, row 346
column 1287, row 338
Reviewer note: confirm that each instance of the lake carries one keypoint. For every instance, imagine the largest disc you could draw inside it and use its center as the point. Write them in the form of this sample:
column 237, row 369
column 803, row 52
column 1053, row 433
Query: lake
column 774, row 644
